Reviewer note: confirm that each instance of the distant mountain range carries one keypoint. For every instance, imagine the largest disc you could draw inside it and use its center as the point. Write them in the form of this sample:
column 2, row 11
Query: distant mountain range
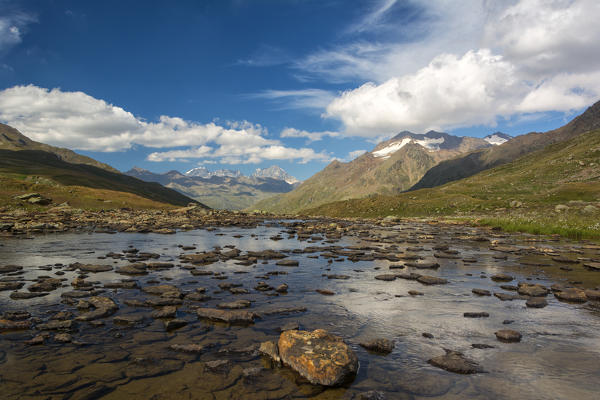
column 391, row 167
column 63, row 175
column 223, row 189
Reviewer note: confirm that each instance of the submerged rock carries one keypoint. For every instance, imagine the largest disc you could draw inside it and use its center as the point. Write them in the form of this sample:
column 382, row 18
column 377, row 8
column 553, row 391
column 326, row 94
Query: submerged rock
column 383, row 346
column 456, row 362
column 230, row 316
column 320, row 357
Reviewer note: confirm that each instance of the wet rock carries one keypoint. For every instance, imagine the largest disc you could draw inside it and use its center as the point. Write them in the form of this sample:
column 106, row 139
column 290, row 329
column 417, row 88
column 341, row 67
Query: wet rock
column 57, row 325
column 415, row 293
column 337, row 276
column 502, row 278
column 168, row 291
column 128, row 319
column 133, row 269
column 270, row 350
column 427, row 335
column 196, row 296
column 237, row 304
column 8, row 325
column 162, row 302
column 371, row 395
column 239, row 290
column 534, row 290
column 482, row 346
column 382, row 346
column 63, row 338
column 592, row 266
column 45, row 285
column 456, row 362
column 509, row 297
column 187, row 348
column 263, row 287
column 27, row 295
column 592, row 294
column 36, row 340
column 476, row 315
column 481, row 292
column 16, row 315
column 432, row 265
column 536, row 302
column 565, row 260
column 11, row 285
column 283, row 288
column 386, row 277
column 287, row 263
column 165, row 312
column 508, row 336
column 104, row 307
column 431, row 280
column 320, row 357
column 173, row 324
column 6, row 269
column 283, row 310
column 571, row 295
column 122, row 285
column 229, row 316
column 94, row 268
column 325, row 292
column 217, row 366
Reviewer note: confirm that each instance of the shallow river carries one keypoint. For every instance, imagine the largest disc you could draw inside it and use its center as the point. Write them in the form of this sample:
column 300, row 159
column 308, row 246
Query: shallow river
column 557, row 358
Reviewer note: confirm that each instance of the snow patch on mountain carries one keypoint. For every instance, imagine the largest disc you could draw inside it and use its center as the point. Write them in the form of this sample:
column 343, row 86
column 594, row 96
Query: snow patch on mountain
column 431, row 144
column 497, row 138
column 391, row 148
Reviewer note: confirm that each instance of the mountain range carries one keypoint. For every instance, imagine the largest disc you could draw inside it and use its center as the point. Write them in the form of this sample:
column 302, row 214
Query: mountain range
column 393, row 166
column 223, row 189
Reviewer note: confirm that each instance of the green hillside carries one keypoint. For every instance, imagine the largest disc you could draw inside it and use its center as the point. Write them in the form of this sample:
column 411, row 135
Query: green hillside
column 554, row 190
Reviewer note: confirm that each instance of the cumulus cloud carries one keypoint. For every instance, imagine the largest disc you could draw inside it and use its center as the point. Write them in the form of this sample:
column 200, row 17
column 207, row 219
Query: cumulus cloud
column 311, row 136
column 532, row 56
column 80, row 121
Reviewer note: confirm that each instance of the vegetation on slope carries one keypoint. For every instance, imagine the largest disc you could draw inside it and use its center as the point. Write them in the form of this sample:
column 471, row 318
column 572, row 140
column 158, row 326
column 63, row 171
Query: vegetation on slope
column 554, row 190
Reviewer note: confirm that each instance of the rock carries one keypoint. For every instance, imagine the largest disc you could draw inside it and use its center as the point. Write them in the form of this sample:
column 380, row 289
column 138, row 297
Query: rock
column 320, row 357
column 592, row 294
column 229, row 316
column 386, row 277
column 104, row 307
column 415, row 293
column 571, row 295
column 8, row 325
column 45, row 285
column 383, row 346
column 122, row 285
column 287, row 263
column 536, row 302
column 57, row 325
column 481, row 292
column 7, row 269
column 431, row 265
column 11, row 285
column 427, row 335
column 133, row 269
column 128, row 319
column 476, row 315
column 502, row 278
column 283, row 288
column 176, row 323
column 94, row 268
column 592, row 266
column 165, row 312
column 560, row 208
column 456, row 362
column 63, row 338
column 431, row 280
column 26, row 295
column 508, row 336
column 271, row 350
column 325, row 292
column 509, row 297
column 482, row 346
column 237, row 304
column 217, row 366
column 36, row 340
column 337, row 276
column 163, row 291
column 187, row 348
column 16, row 315
column 534, row 290
column 589, row 209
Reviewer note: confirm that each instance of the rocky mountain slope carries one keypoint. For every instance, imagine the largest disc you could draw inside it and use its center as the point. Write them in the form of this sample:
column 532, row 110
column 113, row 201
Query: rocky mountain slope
column 392, row 167
column 219, row 189
column 62, row 174
column 482, row 159
column 12, row 139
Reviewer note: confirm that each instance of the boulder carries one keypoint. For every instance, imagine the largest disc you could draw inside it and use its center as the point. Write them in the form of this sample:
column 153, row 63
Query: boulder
column 322, row 358
column 508, row 336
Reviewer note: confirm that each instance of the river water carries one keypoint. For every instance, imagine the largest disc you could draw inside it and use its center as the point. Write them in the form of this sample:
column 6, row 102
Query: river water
column 557, row 358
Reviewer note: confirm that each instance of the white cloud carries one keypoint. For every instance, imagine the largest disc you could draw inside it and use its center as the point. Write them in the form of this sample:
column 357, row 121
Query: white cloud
column 293, row 99
column 12, row 26
column 355, row 154
column 528, row 56
column 79, row 121
column 311, row 136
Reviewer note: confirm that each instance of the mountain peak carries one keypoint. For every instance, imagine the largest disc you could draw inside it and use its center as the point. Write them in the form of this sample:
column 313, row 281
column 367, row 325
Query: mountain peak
column 274, row 172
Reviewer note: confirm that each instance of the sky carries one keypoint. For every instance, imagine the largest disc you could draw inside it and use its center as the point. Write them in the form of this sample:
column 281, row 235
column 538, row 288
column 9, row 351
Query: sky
column 245, row 84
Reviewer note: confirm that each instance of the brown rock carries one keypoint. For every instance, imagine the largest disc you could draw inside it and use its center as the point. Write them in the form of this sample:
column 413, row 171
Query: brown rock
column 456, row 362
column 508, row 336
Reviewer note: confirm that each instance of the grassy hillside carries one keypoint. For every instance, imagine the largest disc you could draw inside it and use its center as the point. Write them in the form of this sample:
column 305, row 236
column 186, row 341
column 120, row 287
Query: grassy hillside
column 521, row 195
column 12, row 139
column 26, row 166
column 480, row 160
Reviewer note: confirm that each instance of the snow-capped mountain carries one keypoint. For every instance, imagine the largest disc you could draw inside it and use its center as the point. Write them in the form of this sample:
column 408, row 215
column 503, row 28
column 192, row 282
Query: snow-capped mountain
column 202, row 172
column 431, row 141
column 275, row 172
column 497, row 138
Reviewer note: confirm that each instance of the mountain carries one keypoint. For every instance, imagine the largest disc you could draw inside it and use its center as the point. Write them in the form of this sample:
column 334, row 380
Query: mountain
column 482, row 159
column 392, row 167
column 12, row 139
column 497, row 138
column 552, row 190
column 63, row 175
column 217, row 189
column 275, row 172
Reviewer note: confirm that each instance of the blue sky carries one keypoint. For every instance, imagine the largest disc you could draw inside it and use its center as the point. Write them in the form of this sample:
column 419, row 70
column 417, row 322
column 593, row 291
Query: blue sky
column 244, row 84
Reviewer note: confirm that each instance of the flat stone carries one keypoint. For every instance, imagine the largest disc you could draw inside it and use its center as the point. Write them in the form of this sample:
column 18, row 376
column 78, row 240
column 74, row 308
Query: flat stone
column 237, row 304
column 383, row 346
column 502, row 278
column 431, row 280
column 229, row 316
column 187, row 348
column 481, row 292
column 476, row 315
column 571, row 295
column 534, row 290
column 176, row 323
column 508, row 336
column 536, row 302
column 287, row 263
